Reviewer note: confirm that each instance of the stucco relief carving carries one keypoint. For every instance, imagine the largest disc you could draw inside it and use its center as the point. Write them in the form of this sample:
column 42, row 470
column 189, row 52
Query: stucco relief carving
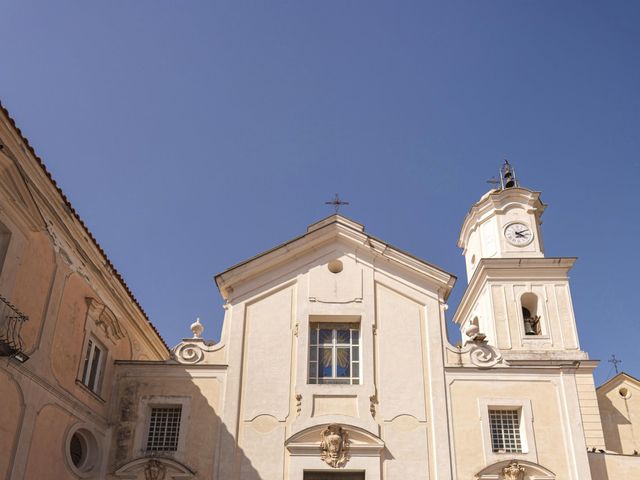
column 193, row 350
column 334, row 445
column 63, row 249
column 155, row 470
column 373, row 401
column 298, row 404
column 189, row 352
column 513, row 471
column 481, row 354
column 105, row 319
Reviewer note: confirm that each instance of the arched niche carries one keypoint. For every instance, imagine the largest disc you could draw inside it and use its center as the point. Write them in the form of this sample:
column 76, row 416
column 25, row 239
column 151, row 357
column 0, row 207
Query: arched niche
column 531, row 314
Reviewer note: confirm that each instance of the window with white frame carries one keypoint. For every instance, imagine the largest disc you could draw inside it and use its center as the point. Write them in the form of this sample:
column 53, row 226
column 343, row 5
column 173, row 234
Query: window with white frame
column 93, row 365
column 334, row 353
column 164, row 429
column 505, row 430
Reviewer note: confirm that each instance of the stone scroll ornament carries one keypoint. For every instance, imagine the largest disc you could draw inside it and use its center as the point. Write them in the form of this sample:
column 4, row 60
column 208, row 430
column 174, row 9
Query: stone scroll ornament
column 513, row 471
column 334, row 446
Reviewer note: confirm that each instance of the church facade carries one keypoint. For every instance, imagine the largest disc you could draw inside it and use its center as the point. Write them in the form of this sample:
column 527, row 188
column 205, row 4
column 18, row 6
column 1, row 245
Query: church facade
column 333, row 361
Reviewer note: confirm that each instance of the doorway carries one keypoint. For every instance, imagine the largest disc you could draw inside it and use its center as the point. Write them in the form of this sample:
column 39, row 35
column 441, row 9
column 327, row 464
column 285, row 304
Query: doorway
column 333, row 475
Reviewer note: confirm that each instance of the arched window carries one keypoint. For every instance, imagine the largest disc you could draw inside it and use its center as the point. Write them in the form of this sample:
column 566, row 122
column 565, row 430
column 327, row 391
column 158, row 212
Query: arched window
column 530, row 316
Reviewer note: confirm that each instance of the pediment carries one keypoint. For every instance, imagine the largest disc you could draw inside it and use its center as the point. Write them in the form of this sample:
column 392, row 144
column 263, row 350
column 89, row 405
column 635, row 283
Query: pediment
column 156, row 468
column 515, row 470
column 343, row 236
column 308, row 441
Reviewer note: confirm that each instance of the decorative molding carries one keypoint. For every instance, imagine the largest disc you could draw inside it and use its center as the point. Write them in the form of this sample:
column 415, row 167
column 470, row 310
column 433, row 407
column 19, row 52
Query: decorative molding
column 477, row 352
column 189, row 351
column 298, row 404
column 334, row 446
column 193, row 350
column 362, row 443
column 105, row 319
column 373, row 401
column 483, row 355
column 513, row 469
column 155, row 468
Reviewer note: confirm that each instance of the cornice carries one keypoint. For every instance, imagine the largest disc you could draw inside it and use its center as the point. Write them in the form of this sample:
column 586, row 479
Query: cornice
column 616, row 380
column 511, row 269
column 320, row 233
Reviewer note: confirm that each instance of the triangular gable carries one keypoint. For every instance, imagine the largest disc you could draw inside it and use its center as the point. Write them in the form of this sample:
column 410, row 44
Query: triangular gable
column 333, row 228
column 618, row 379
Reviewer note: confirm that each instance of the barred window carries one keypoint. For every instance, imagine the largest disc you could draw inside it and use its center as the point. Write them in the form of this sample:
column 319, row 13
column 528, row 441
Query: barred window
column 164, row 429
column 505, row 431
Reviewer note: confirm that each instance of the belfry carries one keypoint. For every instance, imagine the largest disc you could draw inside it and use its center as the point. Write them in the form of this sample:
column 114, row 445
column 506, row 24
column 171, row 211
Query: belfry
column 333, row 362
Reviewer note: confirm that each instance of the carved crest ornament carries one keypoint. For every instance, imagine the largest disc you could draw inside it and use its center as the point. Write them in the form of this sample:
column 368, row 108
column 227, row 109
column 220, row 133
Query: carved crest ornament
column 513, row 471
column 334, row 445
column 155, row 470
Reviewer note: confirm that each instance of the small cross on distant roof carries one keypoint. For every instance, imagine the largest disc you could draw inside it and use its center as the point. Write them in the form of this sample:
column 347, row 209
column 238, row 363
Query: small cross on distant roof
column 336, row 202
column 615, row 362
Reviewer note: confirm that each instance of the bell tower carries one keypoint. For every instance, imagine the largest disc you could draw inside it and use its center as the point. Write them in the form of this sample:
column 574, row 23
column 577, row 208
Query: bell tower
column 504, row 223
column 516, row 298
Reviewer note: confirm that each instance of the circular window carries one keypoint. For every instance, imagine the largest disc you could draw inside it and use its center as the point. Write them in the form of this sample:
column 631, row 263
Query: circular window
column 82, row 451
column 335, row 266
column 624, row 392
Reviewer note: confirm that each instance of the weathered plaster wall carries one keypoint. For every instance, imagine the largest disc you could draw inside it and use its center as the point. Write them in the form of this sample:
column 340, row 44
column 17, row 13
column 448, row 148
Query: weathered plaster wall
column 140, row 386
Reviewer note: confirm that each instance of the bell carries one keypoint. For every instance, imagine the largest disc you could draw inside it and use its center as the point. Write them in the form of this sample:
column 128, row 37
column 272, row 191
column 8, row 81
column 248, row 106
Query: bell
column 529, row 328
column 509, row 181
column 508, row 175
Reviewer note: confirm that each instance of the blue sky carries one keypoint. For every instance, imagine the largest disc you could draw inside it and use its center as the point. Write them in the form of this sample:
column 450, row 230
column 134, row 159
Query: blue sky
column 192, row 135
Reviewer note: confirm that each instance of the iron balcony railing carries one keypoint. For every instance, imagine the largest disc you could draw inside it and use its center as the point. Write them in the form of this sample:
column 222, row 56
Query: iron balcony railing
column 11, row 321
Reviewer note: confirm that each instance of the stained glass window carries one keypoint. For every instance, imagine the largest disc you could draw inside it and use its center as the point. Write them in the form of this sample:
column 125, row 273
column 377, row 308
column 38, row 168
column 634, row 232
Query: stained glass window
column 334, row 353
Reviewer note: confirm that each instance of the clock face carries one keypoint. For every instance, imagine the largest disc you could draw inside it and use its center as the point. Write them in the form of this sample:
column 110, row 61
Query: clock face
column 518, row 234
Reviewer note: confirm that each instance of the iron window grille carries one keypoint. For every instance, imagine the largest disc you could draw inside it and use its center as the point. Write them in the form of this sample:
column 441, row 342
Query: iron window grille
column 164, row 429
column 505, row 431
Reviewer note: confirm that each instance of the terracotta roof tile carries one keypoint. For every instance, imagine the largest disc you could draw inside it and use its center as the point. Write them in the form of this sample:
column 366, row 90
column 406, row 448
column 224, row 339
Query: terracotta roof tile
column 77, row 217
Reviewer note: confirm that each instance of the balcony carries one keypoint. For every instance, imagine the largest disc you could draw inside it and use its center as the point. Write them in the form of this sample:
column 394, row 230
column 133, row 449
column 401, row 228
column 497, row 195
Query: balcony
column 11, row 321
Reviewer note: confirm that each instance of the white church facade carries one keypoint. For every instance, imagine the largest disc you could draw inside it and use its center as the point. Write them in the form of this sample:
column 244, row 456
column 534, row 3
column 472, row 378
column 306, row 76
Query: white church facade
column 333, row 361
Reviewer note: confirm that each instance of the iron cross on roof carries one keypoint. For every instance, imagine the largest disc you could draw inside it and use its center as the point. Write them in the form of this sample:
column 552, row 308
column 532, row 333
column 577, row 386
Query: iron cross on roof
column 615, row 362
column 336, row 202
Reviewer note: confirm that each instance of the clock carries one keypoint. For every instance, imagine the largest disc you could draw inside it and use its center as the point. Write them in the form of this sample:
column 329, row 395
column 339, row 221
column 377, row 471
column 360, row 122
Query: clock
column 518, row 234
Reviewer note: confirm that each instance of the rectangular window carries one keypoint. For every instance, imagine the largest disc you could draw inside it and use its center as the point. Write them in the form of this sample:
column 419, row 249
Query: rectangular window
column 93, row 366
column 334, row 353
column 164, row 429
column 505, row 431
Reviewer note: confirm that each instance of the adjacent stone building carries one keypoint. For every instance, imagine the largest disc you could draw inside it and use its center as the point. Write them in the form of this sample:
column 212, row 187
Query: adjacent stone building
column 333, row 362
